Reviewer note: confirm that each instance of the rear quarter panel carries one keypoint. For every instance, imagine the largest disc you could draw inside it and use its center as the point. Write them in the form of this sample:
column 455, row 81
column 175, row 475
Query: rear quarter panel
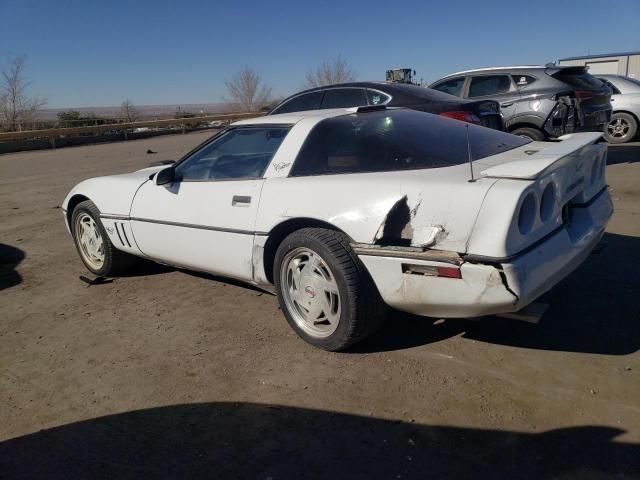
column 360, row 204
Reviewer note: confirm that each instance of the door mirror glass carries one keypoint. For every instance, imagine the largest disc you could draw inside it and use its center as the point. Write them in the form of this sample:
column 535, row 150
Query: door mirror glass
column 165, row 176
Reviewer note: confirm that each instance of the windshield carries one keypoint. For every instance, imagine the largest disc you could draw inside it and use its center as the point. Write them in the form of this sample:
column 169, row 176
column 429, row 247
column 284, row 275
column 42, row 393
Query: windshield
column 389, row 140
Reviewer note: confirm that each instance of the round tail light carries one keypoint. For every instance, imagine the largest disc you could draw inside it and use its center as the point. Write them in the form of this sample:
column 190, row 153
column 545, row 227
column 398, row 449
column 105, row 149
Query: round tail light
column 527, row 213
column 548, row 202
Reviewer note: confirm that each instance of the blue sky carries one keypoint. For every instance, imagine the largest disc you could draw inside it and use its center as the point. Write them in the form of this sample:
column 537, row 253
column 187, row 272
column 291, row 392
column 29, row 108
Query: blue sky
column 97, row 53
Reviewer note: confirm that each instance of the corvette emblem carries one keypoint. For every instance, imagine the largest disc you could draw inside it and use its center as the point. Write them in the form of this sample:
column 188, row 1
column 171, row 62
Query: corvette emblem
column 310, row 291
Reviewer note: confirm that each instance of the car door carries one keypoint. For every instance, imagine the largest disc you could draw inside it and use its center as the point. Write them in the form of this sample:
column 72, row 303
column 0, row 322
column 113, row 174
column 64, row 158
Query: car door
column 497, row 87
column 344, row 98
column 300, row 103
column 204, row 220
column 452, row 86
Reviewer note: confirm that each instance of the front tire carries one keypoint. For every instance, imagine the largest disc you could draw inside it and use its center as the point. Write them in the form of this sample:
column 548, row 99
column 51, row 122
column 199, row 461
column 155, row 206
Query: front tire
column 325, row 292
column 621, row 129
column 530, row 133
column 92, row 242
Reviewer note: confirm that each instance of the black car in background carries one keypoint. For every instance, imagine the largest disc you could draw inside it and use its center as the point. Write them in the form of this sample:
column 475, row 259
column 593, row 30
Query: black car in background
column 537, row 102
column 358, row 94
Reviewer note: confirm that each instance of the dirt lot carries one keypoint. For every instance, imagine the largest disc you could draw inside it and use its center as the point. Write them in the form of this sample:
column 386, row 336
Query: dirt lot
column 172, row 374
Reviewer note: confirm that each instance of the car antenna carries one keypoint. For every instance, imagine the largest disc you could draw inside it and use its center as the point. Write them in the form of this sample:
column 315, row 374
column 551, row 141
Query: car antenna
column 469, row 155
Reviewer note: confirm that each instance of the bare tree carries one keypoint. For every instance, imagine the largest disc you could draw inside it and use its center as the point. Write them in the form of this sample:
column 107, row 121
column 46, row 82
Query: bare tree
column 331, row 72
column 247, row 91
column 16, row 106
column 129, row 112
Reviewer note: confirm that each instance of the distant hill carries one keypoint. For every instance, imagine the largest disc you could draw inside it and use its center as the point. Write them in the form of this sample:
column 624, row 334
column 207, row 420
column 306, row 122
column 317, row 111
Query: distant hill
column 146, row 111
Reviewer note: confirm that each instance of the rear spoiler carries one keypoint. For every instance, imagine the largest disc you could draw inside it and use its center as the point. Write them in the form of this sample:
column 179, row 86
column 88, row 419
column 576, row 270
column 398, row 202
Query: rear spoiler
column 539, row 160
column 565, row 68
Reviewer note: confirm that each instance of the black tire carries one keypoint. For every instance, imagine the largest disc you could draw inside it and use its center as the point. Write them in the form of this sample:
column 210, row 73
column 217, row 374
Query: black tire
column 361, row 308
column 530, row 133
column 621, row 129
column 115, row 261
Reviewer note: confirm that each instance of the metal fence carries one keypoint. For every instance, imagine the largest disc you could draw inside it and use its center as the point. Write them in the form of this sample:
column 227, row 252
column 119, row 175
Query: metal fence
column 125, row 128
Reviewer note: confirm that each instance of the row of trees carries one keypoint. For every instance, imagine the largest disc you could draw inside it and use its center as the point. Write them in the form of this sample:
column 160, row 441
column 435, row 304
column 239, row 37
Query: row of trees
column 246, row 91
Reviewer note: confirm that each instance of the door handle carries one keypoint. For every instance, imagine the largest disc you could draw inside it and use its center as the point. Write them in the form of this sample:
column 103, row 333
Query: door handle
column 506, row 104
column 240, row 200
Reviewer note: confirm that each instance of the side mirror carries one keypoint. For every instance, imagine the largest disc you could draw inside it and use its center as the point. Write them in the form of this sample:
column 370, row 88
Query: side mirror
column 165, row 176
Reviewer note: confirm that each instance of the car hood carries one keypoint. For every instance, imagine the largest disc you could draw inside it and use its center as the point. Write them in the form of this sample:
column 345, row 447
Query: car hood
column 112, row 194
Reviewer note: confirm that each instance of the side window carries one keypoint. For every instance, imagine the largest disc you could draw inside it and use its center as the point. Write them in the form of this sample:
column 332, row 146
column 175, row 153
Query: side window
column 377, row 98
column 344, row 98
column 489, row 85
column 452, row 87
column 239, row 153
column 301, row 103
column 523, row 80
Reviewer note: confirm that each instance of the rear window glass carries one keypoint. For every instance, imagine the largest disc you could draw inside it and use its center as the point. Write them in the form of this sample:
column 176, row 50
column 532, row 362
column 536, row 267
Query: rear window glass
column 390, row 140
column 301, row 103
column 489, row 85
column 578, row 79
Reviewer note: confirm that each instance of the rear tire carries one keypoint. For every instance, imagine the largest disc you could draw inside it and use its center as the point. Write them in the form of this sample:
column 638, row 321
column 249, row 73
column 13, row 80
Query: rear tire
column 621, row 129
column 530, row 133
column 92, row 242
column 325, row 292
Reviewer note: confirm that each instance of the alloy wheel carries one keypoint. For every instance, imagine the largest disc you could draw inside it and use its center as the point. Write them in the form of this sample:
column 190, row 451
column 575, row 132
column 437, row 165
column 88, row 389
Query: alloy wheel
column 310, row 292
column 90, row 241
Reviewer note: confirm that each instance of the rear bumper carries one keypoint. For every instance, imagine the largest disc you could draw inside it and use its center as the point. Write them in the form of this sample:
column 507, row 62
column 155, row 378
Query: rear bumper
column 490, row 286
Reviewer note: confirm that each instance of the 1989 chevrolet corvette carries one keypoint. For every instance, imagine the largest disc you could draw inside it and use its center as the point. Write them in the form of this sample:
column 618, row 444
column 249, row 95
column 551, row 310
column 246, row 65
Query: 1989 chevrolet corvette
column 343, row 212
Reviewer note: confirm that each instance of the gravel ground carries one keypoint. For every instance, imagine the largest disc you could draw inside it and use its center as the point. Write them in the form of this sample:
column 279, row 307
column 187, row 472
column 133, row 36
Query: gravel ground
column 167, row 373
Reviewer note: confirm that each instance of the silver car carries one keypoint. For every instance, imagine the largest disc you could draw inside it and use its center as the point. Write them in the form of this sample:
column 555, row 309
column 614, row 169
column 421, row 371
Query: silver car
column 626, row 108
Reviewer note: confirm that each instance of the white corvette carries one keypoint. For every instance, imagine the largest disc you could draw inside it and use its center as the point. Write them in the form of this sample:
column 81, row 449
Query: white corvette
column 343, row 211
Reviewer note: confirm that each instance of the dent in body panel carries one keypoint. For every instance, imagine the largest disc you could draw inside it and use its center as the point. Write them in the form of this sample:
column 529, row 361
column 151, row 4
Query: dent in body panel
column 401, row 228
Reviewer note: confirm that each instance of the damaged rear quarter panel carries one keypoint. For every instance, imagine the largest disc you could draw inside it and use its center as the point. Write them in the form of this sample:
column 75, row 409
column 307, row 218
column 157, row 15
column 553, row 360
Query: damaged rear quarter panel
column 436, row 206
column 480, row 291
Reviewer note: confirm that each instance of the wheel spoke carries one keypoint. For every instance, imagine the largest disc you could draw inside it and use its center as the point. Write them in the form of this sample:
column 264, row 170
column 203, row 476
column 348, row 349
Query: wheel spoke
column 330, row 308
column 324, row 285
column 314, row 310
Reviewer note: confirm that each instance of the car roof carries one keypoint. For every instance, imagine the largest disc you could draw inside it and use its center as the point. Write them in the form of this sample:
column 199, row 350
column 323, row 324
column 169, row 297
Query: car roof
column 391, row 88
column 549, row 68
column 361, row 84
column 295, row 117
column 489, row 69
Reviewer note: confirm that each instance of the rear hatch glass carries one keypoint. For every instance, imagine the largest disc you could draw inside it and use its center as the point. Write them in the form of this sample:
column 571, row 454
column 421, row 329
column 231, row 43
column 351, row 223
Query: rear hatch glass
column 578, row 78
column 396, row 139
